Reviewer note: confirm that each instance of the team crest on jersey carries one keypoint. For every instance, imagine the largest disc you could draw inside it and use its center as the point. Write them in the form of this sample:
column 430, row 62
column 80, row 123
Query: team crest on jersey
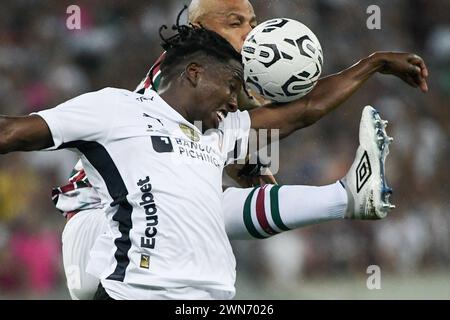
column 190, row 133
column 145, row 261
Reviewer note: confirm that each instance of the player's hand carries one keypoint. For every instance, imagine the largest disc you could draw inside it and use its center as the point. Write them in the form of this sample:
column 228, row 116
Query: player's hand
column 266, row 177
column 251, row 180
column 407, row 66
column 250, row 100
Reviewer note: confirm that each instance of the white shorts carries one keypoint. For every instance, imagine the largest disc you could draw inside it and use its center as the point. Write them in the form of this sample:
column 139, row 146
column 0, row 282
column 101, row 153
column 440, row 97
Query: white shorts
column 78, row 238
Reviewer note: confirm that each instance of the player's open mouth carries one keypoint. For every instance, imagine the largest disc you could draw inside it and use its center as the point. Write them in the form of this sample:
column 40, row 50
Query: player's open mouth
column 221, row 115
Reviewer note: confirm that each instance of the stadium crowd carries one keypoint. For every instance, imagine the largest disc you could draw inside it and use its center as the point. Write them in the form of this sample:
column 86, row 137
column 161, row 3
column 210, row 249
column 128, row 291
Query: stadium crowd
column 43, row 63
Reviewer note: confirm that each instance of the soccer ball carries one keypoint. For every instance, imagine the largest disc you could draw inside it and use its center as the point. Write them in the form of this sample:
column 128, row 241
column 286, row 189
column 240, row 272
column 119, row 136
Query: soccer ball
column 282, row 60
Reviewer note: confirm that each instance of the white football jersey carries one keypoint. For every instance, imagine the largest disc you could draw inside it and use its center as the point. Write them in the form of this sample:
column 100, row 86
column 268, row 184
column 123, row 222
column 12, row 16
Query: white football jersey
column 162, row 181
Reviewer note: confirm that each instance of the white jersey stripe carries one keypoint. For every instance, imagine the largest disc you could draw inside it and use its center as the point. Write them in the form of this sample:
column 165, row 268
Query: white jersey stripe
column 268, row 207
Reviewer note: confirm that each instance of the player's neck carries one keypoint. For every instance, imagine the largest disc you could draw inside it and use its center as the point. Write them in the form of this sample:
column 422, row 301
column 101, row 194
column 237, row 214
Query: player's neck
column 178, row 99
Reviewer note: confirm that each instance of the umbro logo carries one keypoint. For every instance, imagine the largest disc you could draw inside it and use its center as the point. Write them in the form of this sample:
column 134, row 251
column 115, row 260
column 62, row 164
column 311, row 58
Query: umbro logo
column 363, row 172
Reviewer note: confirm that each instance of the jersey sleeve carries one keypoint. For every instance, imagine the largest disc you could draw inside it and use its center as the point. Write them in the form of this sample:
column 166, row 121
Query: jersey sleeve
column 77, row 195
column 236, row 129
column 87, row 117
column 153, row 77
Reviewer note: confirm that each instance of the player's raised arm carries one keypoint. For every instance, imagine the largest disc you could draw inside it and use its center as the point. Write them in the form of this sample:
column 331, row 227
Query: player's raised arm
column 333, row 90
column 24, row 134
column 54, row 128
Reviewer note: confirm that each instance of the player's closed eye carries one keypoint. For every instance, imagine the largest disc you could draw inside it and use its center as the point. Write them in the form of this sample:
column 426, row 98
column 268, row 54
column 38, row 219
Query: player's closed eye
column 234, row 88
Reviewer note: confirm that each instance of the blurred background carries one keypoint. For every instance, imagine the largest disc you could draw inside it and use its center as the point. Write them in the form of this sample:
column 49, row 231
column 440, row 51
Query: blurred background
column 42, row 64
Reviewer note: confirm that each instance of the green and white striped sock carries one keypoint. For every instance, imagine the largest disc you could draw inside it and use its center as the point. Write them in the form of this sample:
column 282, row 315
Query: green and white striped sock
column 266, row 211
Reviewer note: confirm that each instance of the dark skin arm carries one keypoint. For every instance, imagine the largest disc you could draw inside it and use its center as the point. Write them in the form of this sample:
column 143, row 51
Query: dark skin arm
column 32, row 133
column 27, row 133
column 333, row 90
column 248, row 102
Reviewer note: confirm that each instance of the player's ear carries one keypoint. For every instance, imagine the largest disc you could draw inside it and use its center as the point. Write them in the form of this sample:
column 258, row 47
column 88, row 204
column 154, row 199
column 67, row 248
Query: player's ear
column 192, row 72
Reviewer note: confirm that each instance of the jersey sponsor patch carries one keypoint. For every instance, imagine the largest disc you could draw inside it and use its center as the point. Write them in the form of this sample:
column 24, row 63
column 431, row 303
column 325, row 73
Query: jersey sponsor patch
column 198, row 152
column 162, row 144
column 148, row 239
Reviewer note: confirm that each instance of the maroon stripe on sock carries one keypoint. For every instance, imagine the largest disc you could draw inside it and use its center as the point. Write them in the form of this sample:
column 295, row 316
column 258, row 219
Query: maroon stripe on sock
column 261, row 212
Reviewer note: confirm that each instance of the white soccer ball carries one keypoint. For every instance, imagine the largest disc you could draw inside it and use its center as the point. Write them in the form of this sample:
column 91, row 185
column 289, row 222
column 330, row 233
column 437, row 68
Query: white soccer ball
column 282, row 60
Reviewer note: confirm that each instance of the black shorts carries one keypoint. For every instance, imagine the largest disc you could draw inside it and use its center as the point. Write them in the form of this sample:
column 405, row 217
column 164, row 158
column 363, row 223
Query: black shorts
column 101, row 294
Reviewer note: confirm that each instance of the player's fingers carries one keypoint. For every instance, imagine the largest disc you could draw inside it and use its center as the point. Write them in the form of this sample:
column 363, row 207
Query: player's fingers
column 415, row 70
column 245, row 182
column 409, row 80
column 256, row 181
column 424, row 86
column 268, row 179
column 421, row 82
column 272, row 179
column 267, row 176
column 416, row 60
column 424, row 69
column 262, row 181
column 416, row 75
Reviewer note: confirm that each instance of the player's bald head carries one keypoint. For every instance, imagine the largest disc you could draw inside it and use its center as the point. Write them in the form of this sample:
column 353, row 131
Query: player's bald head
column 232, row 19
column 198, row 9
